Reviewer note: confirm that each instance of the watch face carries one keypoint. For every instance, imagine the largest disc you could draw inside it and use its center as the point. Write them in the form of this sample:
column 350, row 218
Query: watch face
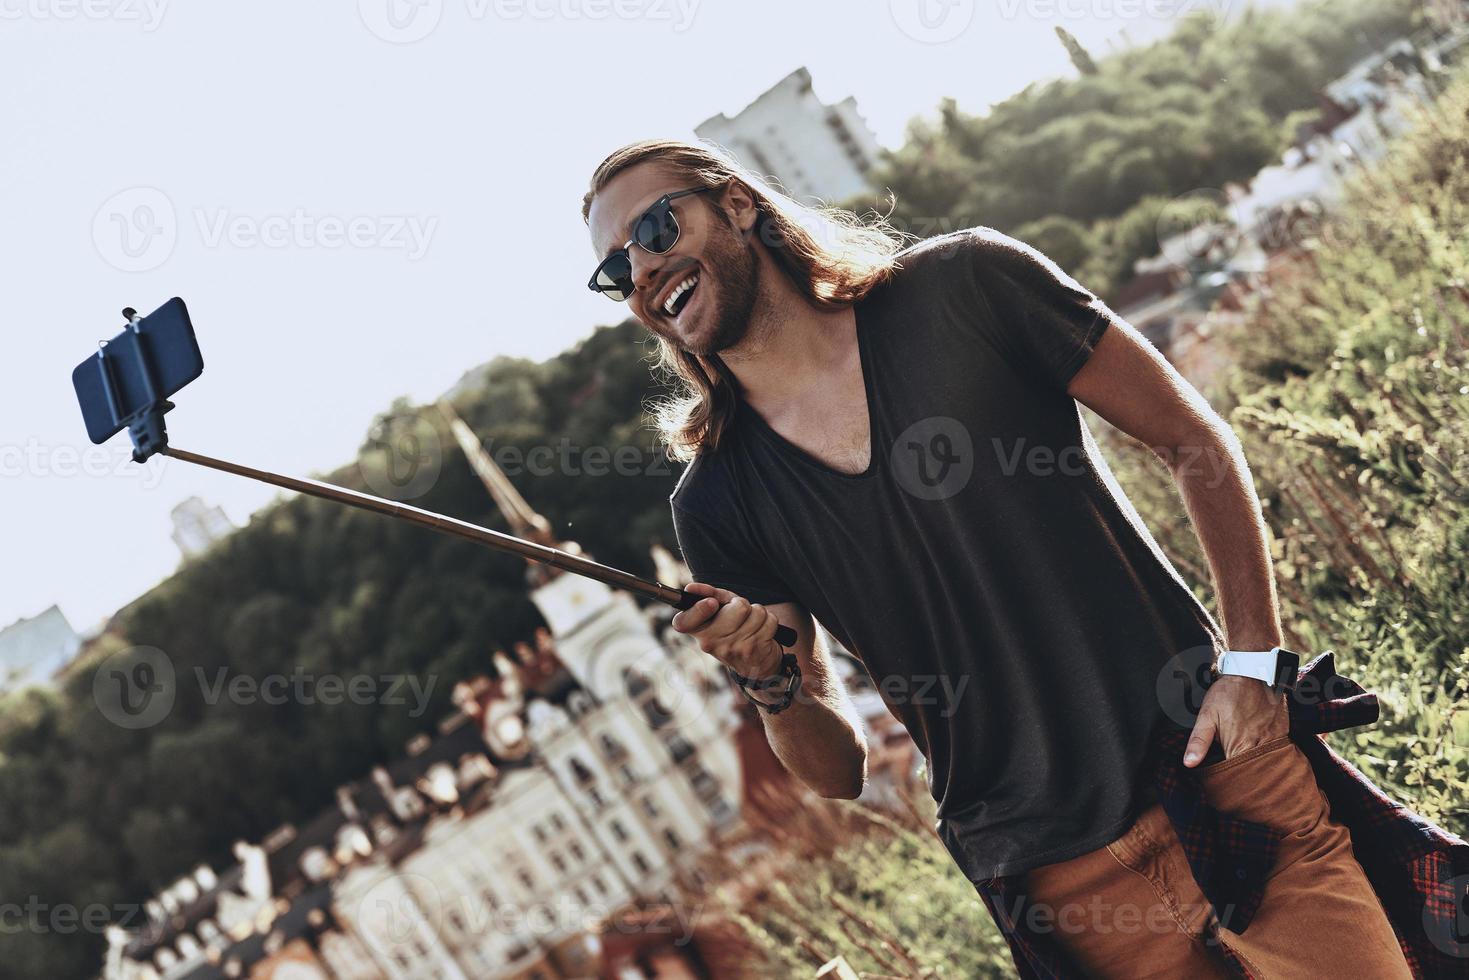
column 1287, row 665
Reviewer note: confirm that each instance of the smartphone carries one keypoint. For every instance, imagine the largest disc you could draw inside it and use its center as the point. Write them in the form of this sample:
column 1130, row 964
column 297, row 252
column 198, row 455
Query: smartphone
column 112, row 386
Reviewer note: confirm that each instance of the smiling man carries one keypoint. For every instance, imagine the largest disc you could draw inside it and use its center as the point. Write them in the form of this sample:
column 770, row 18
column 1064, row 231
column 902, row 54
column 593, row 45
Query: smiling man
column 886, row 437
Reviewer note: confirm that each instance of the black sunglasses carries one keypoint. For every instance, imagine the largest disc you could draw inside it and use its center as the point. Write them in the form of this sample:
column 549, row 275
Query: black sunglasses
column 656, row 230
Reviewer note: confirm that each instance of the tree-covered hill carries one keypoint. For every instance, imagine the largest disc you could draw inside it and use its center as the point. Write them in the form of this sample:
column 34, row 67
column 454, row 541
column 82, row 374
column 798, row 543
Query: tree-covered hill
column 1080, row 167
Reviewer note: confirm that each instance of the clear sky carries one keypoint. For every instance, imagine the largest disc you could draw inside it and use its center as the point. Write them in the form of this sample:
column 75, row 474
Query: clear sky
column 360, row 199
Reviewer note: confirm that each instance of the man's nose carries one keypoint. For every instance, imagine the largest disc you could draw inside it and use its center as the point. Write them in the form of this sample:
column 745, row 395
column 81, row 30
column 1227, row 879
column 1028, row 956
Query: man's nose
column 646, row 267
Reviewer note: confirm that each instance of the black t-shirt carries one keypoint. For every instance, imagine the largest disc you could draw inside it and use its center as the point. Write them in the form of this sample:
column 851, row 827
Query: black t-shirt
column 1002, row 592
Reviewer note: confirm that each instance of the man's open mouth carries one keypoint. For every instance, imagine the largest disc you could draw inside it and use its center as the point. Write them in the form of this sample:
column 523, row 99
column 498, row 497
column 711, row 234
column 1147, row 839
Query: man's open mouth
column 680, row 296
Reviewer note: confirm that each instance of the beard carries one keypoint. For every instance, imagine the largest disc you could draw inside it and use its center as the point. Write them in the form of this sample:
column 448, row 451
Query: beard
column 732, row 292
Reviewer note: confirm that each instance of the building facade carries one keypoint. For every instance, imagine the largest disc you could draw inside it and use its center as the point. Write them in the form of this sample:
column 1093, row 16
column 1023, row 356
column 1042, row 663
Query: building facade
column 813, row 149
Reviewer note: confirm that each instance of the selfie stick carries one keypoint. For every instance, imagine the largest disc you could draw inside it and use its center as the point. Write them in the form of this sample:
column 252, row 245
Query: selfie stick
column 146, row 427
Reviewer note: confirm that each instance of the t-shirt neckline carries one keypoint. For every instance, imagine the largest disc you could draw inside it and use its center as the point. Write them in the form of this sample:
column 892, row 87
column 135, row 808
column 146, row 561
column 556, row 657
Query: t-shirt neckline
column 784, row 445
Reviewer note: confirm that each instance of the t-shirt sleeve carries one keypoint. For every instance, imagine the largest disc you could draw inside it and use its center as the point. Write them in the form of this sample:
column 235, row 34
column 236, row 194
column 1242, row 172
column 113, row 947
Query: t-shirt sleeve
column 1039, row 318
column 722, row 556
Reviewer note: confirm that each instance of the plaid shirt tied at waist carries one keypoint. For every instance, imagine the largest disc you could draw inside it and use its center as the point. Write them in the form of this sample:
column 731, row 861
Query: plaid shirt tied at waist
column 1418, row 870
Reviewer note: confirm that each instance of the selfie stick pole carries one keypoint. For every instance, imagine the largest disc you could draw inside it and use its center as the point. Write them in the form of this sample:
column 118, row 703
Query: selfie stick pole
column 449, row 525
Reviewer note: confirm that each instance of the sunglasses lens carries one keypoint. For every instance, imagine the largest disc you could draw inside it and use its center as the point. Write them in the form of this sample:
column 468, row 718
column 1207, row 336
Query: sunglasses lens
column 614, row 277
column 657, row 229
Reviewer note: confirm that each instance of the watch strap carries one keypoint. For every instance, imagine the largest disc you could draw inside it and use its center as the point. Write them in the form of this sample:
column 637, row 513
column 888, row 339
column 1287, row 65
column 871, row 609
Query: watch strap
column 1276, row 666
column 790, row 671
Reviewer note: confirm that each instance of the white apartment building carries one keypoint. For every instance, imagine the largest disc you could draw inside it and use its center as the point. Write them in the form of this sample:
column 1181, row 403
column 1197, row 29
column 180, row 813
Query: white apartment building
column 813, row 149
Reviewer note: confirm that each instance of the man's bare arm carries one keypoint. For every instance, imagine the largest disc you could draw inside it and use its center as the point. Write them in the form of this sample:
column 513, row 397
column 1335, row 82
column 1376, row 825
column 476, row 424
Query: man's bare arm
column 819, row 738
column 1128, row 383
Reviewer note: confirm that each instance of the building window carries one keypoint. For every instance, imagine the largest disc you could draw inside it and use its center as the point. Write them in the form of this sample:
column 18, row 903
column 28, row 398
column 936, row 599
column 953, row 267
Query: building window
column 612, row 748
column 673, row 842
column 580, row 772
column 599, row 884
column 558, row 861
column 526, row 878
column 637, row 683
column 619, row 831
column 557, row 822
column 640, row 862
column 577, row 853
column 680, row 748
column 628, row 776
column 650, row 808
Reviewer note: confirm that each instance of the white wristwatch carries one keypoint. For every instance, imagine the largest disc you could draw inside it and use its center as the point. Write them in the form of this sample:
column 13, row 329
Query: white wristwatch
column 1276, row 666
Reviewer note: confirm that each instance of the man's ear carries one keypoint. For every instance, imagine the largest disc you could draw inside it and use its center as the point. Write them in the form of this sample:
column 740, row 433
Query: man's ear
column 739, row 207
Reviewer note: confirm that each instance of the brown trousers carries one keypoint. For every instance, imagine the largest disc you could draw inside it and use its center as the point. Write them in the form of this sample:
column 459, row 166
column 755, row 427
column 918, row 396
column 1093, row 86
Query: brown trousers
column 1132, row 909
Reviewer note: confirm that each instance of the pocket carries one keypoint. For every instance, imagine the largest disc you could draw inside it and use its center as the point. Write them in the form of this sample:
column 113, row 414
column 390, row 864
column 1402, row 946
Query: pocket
column 1254, row 752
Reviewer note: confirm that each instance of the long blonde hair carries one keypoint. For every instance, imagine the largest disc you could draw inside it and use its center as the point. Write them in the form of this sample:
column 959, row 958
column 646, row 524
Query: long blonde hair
column 833, row 256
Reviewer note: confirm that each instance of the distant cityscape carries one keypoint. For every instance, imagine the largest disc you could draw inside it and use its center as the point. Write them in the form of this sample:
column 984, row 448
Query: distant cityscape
column 1200, row 279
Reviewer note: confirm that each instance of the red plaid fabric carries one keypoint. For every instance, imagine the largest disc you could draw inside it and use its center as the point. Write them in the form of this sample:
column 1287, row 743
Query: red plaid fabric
column 1418, row 870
